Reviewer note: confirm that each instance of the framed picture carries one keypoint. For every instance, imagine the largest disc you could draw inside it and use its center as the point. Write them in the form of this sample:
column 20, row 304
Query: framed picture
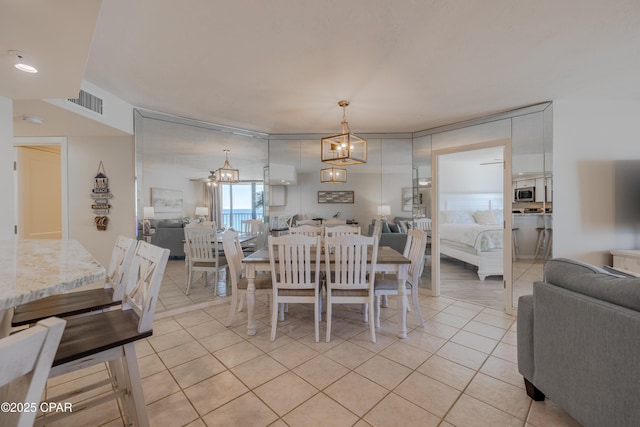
column 335, row 197
column 408, row 198
column 166, row 201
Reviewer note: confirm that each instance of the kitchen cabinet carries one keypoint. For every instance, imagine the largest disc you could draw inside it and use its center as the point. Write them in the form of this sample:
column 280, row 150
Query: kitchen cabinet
column 522, row 183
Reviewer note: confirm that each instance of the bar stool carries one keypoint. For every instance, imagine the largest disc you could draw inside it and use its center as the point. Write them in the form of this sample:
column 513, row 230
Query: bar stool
column 514, row 239
column 544, row 241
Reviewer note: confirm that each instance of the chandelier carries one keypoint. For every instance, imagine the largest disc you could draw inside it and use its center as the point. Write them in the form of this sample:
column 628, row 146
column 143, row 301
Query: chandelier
column 333, row 175
column 345, row 148
column 226, row 174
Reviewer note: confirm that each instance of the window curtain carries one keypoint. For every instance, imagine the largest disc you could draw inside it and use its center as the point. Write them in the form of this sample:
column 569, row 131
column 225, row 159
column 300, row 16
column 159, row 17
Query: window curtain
column 212, row 199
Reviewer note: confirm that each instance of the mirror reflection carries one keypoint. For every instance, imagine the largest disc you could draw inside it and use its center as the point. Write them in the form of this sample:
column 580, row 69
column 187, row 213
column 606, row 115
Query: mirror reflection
column 280, row 183
column 175, row 158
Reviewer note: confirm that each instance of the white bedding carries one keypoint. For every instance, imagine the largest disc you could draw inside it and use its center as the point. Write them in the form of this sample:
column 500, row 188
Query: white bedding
column 480, row 237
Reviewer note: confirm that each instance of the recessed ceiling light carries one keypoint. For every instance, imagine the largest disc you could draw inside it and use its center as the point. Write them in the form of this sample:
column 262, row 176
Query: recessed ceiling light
column 21, row 63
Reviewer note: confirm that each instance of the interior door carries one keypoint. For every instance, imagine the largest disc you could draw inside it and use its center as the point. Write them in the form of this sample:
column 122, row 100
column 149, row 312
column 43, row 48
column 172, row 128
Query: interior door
column 471, row 185
column 39, row 192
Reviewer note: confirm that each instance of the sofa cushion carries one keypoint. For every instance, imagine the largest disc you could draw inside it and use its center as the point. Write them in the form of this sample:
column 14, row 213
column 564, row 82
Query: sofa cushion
column 394, row 228
column 593, row 281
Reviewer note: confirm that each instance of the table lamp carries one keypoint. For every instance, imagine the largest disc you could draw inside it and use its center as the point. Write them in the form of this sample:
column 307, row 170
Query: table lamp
column 384, row 211
column 148, row 212
column 202, row 212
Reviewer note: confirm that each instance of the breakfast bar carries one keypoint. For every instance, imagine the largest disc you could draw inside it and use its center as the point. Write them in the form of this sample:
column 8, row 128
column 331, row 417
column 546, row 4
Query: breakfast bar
column 34, row 269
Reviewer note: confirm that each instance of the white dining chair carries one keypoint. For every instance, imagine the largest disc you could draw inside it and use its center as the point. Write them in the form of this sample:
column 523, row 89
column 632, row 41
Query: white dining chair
column 306, row 230
column 340, row 230
column 388, row 284
column 25, row 362
column 110, row 337
column 234, row 255
column 84, row 301
column 295, row 274
column 349, row 277
column 251, row 226
column 203, row 254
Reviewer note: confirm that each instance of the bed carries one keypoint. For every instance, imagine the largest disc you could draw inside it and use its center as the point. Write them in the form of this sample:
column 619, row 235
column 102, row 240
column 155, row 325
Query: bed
column 475, row 237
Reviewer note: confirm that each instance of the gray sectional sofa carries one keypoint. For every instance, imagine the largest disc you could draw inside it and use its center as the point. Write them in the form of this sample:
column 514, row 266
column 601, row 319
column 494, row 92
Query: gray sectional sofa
column 579, row 343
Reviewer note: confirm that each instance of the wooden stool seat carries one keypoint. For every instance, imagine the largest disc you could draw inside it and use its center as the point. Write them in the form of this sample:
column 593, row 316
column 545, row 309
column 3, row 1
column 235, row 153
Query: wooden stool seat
column 87, row 335
column 64, row 305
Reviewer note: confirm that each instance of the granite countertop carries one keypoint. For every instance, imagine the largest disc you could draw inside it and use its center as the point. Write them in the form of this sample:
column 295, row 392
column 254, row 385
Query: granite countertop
column 33, row 269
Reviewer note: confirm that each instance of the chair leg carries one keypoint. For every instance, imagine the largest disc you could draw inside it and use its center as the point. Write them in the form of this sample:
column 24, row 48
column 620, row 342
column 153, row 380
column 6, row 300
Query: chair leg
column 329, row 306
column 233, row 308
column 316, row 315
column 130, row 362
column 416, row 306
column 365, row 311
column 377, row 307
column 274, row 318
column 189, row 281
column 372, row 326
column 243, row 296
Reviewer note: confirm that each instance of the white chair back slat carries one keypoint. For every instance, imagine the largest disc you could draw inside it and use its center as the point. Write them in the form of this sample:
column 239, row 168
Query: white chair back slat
column 121, row 257
column 296, row 266
column 145, row 278
column 350, row 270
column 414, row 250
column 251, row 226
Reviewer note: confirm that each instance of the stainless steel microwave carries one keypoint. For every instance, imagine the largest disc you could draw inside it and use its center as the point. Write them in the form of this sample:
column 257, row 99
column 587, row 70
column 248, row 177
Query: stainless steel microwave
column 525, row 194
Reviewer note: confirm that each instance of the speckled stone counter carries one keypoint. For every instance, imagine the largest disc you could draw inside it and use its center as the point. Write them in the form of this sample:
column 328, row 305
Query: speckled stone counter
column 33, row 269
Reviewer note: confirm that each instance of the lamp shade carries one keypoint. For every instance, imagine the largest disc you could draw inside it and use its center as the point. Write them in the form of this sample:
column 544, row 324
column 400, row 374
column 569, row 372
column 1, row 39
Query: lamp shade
column 333, row 175
column 202, row 211
column 148, row 212
column 384, row 210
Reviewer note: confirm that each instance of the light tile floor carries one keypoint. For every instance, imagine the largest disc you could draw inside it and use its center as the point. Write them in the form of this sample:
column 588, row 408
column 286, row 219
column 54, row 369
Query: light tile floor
column 460, row 370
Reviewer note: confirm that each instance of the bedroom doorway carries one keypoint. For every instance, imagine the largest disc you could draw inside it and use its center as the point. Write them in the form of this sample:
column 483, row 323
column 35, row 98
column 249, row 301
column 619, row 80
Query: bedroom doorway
column 472, row 210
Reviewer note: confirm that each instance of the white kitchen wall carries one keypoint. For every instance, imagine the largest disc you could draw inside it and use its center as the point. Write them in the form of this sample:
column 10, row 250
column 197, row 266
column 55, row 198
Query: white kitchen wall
column 7, row 183
column 591, row 138
column 117, row 156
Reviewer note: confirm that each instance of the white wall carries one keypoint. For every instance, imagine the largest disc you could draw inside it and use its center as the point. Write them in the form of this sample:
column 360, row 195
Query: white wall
column 117, row 156
column 7, row 175
column 591, row 140
column 302, row 199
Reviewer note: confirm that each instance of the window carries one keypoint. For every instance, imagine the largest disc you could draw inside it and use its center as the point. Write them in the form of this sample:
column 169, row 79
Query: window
column 240, row 202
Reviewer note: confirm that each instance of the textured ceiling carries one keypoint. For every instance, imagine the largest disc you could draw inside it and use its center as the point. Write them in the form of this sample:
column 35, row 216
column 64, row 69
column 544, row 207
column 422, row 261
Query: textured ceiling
column 281, row 66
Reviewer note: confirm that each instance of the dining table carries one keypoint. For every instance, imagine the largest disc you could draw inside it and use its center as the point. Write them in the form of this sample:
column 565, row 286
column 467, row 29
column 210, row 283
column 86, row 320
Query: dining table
column 389, row 261
column 31, row 269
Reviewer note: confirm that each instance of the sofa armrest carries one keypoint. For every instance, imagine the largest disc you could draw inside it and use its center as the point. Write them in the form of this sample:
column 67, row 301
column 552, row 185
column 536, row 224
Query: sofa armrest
column 526, row 365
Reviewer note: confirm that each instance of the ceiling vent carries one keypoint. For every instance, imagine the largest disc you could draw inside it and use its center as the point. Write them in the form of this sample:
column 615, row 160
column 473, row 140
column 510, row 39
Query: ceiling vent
column 88, row 101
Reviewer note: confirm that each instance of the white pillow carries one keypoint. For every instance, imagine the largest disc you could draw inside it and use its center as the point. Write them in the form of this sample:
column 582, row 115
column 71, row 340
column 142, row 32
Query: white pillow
column 485, row 218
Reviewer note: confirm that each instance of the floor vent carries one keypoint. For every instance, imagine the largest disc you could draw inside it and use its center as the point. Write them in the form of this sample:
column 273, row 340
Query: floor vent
column 88, row 101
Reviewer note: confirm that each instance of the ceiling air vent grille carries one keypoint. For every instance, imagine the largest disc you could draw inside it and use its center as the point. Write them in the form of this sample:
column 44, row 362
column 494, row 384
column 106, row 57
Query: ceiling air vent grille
column 88, row 101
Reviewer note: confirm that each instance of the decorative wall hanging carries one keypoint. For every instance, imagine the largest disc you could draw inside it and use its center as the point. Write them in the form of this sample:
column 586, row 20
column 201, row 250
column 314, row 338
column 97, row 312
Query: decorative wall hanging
column 335, row 196
column 101, row 195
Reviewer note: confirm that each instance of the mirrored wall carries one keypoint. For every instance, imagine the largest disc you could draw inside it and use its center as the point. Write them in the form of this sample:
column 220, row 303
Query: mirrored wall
column 174, row 158
column 296, row 190
column 178, row 154
column 526, row 135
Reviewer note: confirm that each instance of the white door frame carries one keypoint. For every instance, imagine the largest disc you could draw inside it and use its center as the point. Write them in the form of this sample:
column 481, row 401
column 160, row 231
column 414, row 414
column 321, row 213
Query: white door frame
column 507, row 234
column 50, row 140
